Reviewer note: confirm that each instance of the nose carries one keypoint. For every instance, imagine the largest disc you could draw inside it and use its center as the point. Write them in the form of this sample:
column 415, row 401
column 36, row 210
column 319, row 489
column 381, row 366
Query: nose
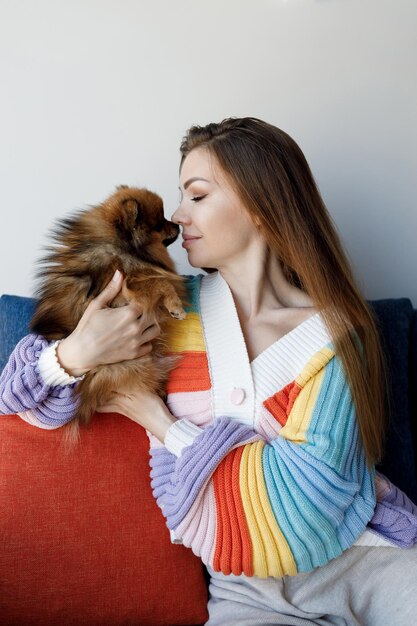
column 180, row 217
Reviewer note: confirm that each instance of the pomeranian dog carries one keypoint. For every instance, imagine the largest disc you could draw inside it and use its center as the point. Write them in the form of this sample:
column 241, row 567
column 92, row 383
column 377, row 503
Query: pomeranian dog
column 127, row 232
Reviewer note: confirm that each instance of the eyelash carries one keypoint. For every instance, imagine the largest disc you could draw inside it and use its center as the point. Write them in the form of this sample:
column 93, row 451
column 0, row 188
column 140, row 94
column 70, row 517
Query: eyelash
column 197, row 198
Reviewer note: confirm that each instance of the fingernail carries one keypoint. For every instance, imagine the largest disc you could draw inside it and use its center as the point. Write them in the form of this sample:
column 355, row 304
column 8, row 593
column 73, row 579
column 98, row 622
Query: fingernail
column 115, row 276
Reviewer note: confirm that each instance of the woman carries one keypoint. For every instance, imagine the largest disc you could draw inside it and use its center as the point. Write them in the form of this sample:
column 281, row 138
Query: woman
column 263, row 457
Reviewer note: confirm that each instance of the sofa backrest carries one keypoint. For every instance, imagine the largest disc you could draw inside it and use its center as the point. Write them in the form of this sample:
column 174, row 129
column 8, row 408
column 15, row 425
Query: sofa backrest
column 15, row 315
column 82, row 538
column 396, row 318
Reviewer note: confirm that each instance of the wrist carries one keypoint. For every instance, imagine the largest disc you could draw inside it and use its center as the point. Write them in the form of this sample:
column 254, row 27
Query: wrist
column 162, row 423
column 68, row 358
column 181, row 435
column 50, row 369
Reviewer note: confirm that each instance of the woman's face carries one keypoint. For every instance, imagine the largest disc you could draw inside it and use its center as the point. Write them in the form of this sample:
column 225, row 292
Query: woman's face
column 217, row 230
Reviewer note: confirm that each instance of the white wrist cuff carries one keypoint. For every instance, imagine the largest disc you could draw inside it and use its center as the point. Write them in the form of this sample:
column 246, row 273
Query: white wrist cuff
column 180, row 435
column 174, row 538
column 50, row 369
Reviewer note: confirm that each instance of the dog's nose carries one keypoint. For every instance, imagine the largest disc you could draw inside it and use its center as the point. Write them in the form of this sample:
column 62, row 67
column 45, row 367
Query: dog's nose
column 171, row 231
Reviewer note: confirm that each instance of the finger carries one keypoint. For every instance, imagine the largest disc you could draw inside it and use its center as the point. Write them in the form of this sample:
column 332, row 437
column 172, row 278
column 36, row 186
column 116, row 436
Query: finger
column 145, row 349
column 109, row 292
column 147, row 320
column 133, row 311
column 152, row 332
column 149, row 334
column 154, row 327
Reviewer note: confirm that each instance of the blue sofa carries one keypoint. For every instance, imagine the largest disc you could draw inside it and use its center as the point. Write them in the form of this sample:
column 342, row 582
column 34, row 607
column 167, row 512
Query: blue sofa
column 398, row 329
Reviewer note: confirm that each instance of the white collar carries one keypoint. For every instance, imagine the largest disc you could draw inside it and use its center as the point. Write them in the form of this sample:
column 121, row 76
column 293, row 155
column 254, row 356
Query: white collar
column 228, row 358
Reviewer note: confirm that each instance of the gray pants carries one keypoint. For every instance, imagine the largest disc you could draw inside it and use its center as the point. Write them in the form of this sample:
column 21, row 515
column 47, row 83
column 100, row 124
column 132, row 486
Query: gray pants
column 365, row 586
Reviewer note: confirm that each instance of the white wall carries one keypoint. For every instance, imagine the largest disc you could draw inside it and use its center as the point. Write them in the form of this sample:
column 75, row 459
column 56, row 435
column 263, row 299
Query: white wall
column 95, row 93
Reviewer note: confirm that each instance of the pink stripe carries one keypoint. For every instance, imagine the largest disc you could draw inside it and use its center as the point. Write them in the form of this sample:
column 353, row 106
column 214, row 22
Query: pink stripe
column 30, row 418
column 194, row 405
column 198, row 528
column 209, row 512
column 267, row 425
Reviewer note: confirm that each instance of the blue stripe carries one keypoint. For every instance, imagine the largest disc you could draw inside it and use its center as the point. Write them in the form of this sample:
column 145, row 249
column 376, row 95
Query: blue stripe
column 321, row 492
column 192, row 285
column 308, row 503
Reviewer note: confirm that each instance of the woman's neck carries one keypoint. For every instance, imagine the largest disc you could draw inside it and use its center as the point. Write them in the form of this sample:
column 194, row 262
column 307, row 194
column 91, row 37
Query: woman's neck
column 258, row 284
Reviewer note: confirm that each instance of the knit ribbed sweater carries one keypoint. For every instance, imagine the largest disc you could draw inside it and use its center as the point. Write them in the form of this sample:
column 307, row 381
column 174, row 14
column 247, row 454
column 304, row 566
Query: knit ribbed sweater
column 264, row 472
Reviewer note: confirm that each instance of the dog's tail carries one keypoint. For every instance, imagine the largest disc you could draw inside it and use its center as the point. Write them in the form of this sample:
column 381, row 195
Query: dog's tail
column 71, row 435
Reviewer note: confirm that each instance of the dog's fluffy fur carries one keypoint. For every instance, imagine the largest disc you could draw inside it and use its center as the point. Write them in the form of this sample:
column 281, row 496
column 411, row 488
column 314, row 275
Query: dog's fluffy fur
column 127, row 232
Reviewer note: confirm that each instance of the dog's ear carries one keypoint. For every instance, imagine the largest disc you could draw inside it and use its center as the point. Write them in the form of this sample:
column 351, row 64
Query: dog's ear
column 132, row 214
column 122, row 187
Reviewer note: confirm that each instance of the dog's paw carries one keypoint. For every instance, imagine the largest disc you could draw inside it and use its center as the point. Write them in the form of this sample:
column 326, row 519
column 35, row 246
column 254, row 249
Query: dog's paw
column 178, row 314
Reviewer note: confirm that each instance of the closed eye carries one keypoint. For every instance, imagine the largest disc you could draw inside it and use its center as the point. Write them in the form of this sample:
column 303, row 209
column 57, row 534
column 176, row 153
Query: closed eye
column 197, row 198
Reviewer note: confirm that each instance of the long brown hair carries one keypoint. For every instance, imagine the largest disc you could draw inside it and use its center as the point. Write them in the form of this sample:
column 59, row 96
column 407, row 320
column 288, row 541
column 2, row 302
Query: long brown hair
column 274, row 181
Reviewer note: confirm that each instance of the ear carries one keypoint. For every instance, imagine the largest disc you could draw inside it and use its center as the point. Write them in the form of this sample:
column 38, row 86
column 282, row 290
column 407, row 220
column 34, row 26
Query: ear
column 131, row 215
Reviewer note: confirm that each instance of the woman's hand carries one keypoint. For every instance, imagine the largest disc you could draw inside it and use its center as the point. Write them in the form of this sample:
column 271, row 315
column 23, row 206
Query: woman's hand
column 107, row 335
column 142, row 407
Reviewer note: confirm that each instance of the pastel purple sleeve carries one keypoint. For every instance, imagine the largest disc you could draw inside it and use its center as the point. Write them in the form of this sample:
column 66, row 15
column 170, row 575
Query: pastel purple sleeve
column 22, row 388
column 395, row 515
column 176, row 482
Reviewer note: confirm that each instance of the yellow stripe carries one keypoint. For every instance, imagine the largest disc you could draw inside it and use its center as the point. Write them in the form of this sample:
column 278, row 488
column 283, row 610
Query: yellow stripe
column 279, row 556
column 314, row 365
column 271, row 553
column 311, row 379
column 246, row 484
column 185, row 335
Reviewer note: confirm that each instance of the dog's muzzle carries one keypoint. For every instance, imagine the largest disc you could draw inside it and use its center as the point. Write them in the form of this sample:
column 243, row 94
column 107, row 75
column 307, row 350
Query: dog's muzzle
column 172, row 231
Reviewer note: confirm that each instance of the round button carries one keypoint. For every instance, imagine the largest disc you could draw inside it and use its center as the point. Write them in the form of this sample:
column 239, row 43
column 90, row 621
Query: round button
column 237, row 396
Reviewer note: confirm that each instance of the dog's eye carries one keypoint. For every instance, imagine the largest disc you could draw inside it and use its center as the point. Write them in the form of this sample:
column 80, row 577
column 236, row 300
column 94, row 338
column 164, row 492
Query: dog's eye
column 159, row 226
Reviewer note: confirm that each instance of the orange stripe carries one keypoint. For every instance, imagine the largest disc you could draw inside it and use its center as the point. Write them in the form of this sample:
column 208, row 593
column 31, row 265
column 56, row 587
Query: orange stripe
column 235, row 538
column 228, row 553
column 281, row 403
column 221, row 559
column 233, row 551
column 293, row 396
column 246, row 564
column 190, row 374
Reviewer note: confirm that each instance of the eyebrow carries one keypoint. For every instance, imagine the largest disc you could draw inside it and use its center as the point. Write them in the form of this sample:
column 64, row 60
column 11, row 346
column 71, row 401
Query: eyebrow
column 192, row 180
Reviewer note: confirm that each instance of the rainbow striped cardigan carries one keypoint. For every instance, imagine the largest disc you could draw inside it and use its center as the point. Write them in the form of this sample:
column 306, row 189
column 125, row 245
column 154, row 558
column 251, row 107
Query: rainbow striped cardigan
column 263, row 473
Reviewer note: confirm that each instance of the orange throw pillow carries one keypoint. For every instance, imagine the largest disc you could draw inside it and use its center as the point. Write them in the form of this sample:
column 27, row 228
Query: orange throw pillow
column 82, row 539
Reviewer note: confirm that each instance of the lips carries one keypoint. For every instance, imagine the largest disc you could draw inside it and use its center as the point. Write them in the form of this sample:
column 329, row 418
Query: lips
column 189, row 240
